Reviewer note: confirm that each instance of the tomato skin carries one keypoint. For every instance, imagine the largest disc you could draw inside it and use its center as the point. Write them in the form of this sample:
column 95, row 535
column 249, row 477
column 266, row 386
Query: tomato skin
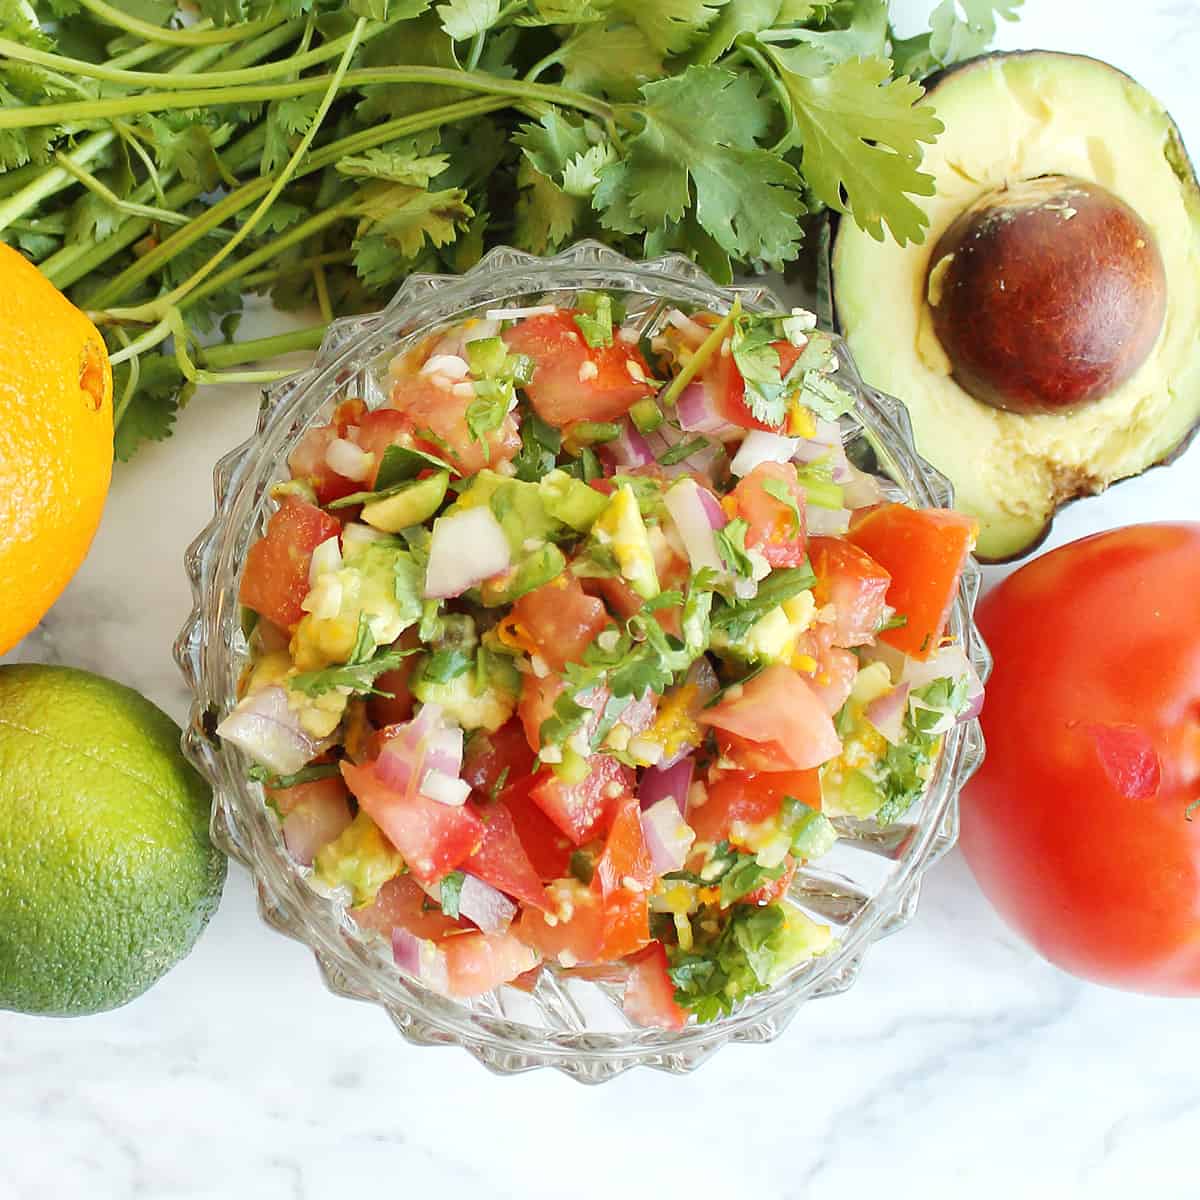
column 649, row 993
column 924, row 550
column 560, row 619
column 376, row 432
column 625, row 855
column 597, row 929
column 854, row 583
column 275, row 580
column 750, row 797
column 433, row 838
column 557, row 392
column 1063, row 826
column 775, row 722
column 773, row 528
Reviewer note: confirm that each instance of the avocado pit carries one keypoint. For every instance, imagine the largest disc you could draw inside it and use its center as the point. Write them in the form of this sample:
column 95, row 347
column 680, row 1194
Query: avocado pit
column 1046, row 294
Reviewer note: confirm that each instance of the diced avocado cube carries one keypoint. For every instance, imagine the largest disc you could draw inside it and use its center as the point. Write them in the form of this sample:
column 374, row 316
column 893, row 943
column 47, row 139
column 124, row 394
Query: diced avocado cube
column 415, row 504
column 620, row 528
column 571, row 501
column 536, row 568
column 464, row 700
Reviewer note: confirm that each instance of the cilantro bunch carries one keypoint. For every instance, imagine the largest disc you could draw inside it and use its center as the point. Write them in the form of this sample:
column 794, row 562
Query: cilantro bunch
column 161, row 169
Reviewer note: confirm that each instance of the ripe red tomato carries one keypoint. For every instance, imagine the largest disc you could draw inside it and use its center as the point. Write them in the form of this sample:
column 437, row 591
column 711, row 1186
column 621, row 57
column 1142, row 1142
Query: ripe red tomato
column 750, row 797
column 731, row 387
column 275, row 580
column 649, row 993
column 307, row 460
column 1077, row 824
column 583, row 810
column 501, row 860
column 564, row 387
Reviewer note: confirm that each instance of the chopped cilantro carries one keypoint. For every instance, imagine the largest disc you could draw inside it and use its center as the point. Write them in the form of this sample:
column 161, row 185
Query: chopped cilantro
column 731, row 544
column 683, row 450
column 445, row 665
column 737, row 618
column 309, row 774
column 451, row 892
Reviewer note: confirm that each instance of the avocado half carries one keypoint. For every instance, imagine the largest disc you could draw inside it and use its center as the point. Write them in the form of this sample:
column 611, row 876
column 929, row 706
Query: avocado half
column 1012, row 118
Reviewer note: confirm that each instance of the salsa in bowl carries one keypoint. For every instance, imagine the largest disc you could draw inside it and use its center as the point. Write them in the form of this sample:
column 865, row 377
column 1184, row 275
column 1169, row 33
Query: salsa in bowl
column 596, row 695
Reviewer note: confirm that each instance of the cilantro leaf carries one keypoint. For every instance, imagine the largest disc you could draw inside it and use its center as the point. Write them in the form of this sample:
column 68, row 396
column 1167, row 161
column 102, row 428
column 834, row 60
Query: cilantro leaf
column 737, row 618
column 670, row 26
column 158, row 392
column 731, row 543
column 610, row 60
column 465, row 19
column 451, row 892
column 357, row 677
column 781, row 492
column 546, row 216
column 958, row 29
column 308, row 774
column 700, row 131
column 396, row 223
column 401, row 164
column 445, row 665
column 860, row 133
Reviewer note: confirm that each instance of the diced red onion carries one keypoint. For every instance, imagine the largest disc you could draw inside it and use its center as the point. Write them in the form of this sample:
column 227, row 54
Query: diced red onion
column 629, row 450
column 827, row 522
column 684, row 500
column 667, row 783
column 712, row 508
column 444, row 751
column 265, row 727
column 668, row 837
column 314, row 824
column 697, row 410
column 484, row 906
column 887, row 712
column 758, row 447
column 403, row 756
column 420, row 958
column 445, row 789
column 466, row 548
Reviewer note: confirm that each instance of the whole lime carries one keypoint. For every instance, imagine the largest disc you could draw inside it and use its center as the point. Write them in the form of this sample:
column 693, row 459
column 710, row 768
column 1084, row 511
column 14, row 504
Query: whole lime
column 107, row 874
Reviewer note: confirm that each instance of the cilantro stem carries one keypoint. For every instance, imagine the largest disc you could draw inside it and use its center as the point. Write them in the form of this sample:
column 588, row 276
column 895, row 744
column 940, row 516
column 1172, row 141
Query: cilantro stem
column 32, row 115
column 747, row 47
column 106, row 194
column 704, row 352
column 231, row 354
column 196, row 36
column 228, row 206
column 476, row 51
column 53, row 180
column 543, row 64
column 168, row 81
column 166, row 303
column 283, row 270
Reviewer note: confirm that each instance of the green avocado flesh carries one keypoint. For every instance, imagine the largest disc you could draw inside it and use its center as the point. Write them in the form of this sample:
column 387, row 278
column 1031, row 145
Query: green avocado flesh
column 1011, row 118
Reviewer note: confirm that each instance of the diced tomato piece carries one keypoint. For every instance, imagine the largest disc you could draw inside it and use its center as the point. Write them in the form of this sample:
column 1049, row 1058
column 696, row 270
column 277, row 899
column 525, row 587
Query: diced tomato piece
column 649, row 993
column 478, row 962
column 560, row 619
column 749, row 798
column 307, row 460
column 731, row 387
column 496, row 761
column 583, row 810
column 284, row 800
column 275, row 580
column 588, row 928
column 433, row 838
column 548, row 848
column 402, row 903
column 925, row 550
column 537, row 704
column 398, row 706
column 834, row 677
column 616, row 594
column 772, row 890
column 625, row 856
column 501, row 860
column 443, row 414
column 565, row 388
column 774, row 528
column 775, row 722
column 854, row 583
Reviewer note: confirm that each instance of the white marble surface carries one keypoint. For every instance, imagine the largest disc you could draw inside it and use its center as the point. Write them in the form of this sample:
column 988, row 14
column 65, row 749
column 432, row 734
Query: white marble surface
column 959, row 1065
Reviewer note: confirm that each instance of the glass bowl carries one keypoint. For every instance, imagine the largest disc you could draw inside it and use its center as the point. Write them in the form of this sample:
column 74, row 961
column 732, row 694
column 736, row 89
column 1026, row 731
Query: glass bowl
column 866, row 888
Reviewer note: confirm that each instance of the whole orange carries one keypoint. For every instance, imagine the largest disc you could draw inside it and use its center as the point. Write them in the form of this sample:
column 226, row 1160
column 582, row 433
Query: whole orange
column 56, row 429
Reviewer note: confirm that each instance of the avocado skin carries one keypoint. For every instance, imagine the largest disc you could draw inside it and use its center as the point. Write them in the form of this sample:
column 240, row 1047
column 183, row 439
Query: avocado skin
column 1027, row 540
